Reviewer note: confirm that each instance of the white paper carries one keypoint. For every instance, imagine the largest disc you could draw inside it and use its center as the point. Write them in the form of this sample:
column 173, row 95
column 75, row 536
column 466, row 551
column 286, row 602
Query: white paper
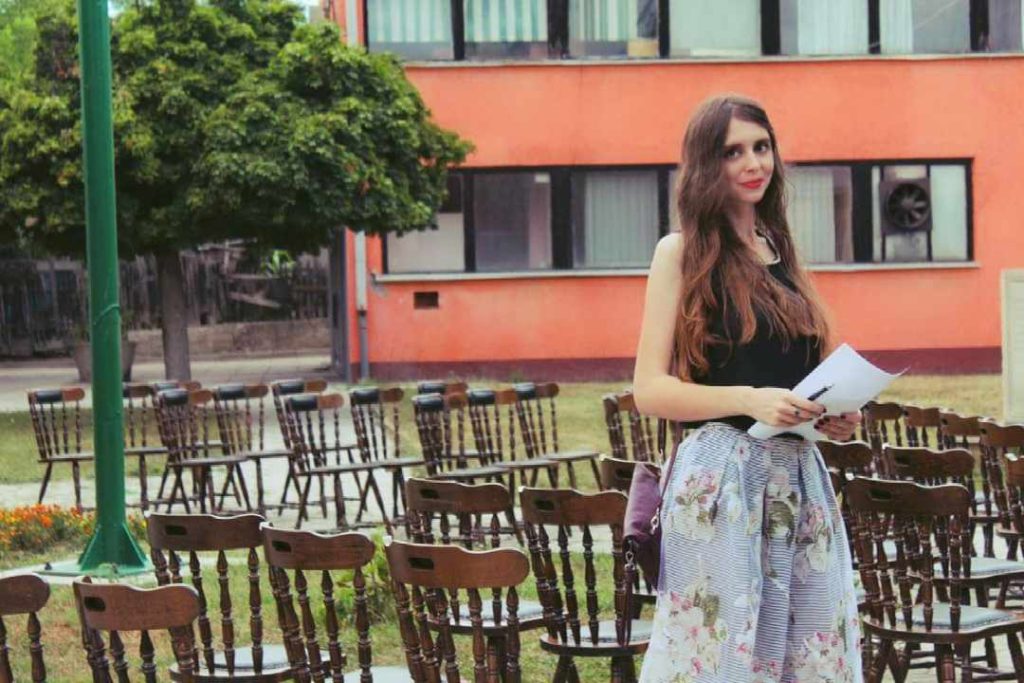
column 852, row 381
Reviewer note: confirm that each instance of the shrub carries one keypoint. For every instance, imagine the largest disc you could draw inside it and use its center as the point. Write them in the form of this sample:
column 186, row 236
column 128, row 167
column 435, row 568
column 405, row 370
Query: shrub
column 36, row 528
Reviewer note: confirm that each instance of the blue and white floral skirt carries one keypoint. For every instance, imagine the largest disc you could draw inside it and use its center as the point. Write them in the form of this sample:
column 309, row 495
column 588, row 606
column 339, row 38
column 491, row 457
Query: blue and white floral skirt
column 756, row 582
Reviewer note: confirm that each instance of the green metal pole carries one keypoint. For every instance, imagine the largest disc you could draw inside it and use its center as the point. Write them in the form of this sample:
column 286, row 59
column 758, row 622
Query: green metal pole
column 111, row 548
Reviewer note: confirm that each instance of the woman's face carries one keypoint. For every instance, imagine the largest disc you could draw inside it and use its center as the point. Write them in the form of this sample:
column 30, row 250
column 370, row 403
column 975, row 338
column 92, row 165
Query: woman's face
column 748, row 161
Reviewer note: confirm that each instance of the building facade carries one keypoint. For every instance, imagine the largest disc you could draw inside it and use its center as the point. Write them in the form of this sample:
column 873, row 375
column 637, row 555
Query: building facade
column 899, row 120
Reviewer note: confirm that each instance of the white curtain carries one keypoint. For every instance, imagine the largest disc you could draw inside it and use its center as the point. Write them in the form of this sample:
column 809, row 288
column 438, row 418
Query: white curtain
column 620, row 219
column 832, row 27
column 713, row 27
column 812, row 213
column 896, row 26
column 506, row 21
column 949, row 212
column 606, row 20
column 409, row 21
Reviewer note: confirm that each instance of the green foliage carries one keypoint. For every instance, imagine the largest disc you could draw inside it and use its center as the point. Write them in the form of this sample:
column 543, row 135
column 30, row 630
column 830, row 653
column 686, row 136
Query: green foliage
column 380, row 602
column 232, row 118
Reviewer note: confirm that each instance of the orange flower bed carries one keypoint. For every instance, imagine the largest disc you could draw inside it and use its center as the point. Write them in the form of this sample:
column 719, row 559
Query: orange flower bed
column 36, row 527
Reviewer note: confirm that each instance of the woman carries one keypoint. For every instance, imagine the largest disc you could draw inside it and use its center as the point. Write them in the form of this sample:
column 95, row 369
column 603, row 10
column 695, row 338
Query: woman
column 756, row 581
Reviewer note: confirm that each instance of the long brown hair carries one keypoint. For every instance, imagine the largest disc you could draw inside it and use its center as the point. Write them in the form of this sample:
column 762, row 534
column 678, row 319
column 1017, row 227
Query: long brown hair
column 722, row 277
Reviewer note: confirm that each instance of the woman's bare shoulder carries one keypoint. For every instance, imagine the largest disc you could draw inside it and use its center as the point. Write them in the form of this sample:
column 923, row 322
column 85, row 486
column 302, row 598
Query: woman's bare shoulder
column 669, row 249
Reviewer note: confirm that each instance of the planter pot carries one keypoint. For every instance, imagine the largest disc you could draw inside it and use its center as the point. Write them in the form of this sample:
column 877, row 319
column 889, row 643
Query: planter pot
column 83, row 360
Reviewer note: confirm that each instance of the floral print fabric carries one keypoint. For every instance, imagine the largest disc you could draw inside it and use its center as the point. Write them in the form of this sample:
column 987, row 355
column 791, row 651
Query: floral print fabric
column 756, row 579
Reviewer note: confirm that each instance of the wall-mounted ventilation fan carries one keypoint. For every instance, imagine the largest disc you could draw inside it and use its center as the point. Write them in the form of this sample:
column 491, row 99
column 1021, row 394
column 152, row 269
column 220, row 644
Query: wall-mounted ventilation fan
column 906, row 205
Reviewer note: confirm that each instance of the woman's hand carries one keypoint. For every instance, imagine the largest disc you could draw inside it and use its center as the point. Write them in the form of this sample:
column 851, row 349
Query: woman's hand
column 780, row 407
column 838, row 427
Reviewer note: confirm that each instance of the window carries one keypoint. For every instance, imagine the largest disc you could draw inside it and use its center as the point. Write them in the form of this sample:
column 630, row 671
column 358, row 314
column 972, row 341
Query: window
column 1005, row 27
column 879, row 212
column 413, row 29
column 438, row 249
column 512, row 221
column 610, row 28
column 926, row 26
column 715, row 28
column 506, row 29
column 812, row 27
column 614, row 218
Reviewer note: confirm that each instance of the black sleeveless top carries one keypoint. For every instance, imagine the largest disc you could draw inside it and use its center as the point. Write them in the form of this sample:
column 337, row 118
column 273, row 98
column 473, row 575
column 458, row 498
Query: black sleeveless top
column 763, row 362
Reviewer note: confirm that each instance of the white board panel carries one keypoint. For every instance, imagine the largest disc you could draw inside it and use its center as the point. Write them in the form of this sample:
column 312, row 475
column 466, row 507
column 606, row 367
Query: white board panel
column 1013, row 345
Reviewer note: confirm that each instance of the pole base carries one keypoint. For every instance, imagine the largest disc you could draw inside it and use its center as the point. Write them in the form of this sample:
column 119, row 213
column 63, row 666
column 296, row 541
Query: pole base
column 113, row 546
column 73, row 569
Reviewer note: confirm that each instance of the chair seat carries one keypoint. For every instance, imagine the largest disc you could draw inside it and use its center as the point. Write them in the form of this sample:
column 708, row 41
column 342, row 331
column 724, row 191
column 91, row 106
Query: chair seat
column 471, row 473
column 144, row 450
column 993, row 566
column 382, row 674
column 1003, row 532
column 68, row 457
column 267, row 454
column 974, row 620
column 343, row 468
column 210, row 462
column 529, row 611
column 607, row 642
column 401, row 461
column 531, row 464
column 564, row 456
column 275, row 666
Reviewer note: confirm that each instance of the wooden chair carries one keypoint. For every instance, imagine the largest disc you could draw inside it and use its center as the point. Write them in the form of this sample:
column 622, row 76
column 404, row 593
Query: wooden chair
column 959, row 431
column 441, row 426
column 613, row 638
column 443, row 387
column 116, row 608
column 140, row 437
column 323, row 656
column 137, row 411
column 630, row 434
column 23, row 594
column 538, row 422
column 376, row 419
column 313, row 422
column 179, row 543
column 56, row 416
column 492, row 415
column 882, row 424
column 241, row 418
column 901, row 589
column 184, row 422
column 922, row 426
column 996, row 442
column 453, row 513
column 427, row 580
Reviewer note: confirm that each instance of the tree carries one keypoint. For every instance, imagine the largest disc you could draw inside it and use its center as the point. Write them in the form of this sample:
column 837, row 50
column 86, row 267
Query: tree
column 232, row 118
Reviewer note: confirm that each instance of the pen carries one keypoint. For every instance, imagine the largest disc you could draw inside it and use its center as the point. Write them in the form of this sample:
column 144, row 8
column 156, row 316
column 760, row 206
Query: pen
column 817, row 394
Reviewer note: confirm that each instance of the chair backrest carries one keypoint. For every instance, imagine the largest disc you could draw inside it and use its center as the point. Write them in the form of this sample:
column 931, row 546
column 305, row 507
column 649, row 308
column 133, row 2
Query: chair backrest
column 56, row 416
column 184, row 421
column 376, row 419
column 165, row 384
column 451, row 386
column 427, row 580
column 1014, row 465
column 179, row 543
column 117, row 608
column 922, row 426
column 241, row 416
column 565, row 512
column 848, row 458
column 302, row 552
column 282, row 388
column 492, row 416
column 139, row 414
column 883, row 423
column 441, row 426
column 617, row 474
column 912, row 516
column 997, row 442
column 630, row 434
column 451, row 512
column 23, row 594
column 932, row 467
column 313, row 423
column 958, row 431
column 538, row 417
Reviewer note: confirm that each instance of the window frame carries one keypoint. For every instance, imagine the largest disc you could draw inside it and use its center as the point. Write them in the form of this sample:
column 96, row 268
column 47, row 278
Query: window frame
column 771, row 40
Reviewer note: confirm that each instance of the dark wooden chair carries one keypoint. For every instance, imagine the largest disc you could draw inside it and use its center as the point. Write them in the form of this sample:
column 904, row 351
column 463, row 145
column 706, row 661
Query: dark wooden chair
column 136, row 410
column 241, row 422
column 441, row 423
column 451, row 386
column 997, row 441
column 570, row 633
column 492, row 415
column 23, row 594
column 376, row 419
column 882, row 424
column 180, row 543
column 427, row 580
column 185, row 422
column 960, row 431
column 56, row 416
column 141, row 439
column 631, row 435
column 117, row 608
column 319, row 654
column 538, row 422
column 901, row 588
column 923, row 426
column 454, row 513
column 313, row 422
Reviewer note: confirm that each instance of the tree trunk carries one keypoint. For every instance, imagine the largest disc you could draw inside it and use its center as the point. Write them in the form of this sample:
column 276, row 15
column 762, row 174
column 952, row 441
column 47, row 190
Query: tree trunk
column 174, row 311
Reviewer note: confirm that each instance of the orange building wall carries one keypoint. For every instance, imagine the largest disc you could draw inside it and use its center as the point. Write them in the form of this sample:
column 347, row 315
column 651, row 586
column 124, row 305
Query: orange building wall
column 580, row 113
